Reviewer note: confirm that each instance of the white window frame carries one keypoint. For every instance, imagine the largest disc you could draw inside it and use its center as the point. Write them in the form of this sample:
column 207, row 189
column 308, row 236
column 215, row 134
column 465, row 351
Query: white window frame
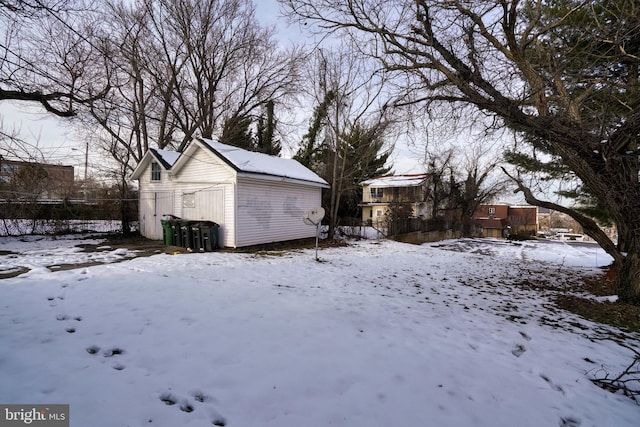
column 376, row 193
column 156, row 172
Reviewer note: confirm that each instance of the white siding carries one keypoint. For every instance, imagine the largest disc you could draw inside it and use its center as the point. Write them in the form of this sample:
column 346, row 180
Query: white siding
column 271, row 212
column 207, row 205
column 211, row 181
column 155, row 200
column 145, row 178
column 153, row 205
column 203, row 167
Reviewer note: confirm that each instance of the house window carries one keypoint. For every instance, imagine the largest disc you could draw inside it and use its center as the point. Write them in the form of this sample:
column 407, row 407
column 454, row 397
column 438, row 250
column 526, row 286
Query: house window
column 492, row 211
column 155, row 171
column 379, row 213
column 377, row 193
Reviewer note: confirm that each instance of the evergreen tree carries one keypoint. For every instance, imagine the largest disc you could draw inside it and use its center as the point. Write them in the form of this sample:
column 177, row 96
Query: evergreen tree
column 266, row 141
column 363, row 155
column 236, row 131
column 367, row 159
column 309, row 151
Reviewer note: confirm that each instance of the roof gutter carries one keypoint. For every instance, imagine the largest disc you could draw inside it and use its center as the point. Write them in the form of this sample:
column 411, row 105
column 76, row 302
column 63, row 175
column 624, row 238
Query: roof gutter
column 284, row 179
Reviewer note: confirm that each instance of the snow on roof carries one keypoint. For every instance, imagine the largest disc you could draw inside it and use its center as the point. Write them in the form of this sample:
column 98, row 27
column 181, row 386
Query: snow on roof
column 252, row 162
column 168, row 156
column 396, row 181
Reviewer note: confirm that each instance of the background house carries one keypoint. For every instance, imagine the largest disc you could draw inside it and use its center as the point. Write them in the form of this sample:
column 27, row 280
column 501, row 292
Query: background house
column 500, row 220
column 254, row 197
column 379, row 193
column 35, row 182
column 523, row 220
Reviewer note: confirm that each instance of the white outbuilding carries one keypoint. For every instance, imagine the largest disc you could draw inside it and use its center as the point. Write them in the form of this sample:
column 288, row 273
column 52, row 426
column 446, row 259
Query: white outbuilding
column 253, row 197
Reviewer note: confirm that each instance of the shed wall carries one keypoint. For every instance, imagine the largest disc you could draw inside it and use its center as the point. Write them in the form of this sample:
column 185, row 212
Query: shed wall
column 271, row 212
column 209, row 183
column 156, row 198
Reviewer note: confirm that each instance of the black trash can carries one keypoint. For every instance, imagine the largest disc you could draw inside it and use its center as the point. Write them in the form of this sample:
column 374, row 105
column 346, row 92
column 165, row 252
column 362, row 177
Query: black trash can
column 186, row 236
column 176, row 232
column 209, row 235
column 196, row 236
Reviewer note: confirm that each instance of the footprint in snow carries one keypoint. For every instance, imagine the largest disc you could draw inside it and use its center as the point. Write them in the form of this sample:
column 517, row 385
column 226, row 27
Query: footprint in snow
column 185, row 405
column 556, row 387
column 94, row 349
column 168, row 399
column 569, row 422
column 518, row 350
column 62, row 317
column 200, row 396
column 113, row 352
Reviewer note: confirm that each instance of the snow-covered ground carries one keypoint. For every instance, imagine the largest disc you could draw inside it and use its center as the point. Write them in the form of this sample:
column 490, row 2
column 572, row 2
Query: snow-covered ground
column 377, row 333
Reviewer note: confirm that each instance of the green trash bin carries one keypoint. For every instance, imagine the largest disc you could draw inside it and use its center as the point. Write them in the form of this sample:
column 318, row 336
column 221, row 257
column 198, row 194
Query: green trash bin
column 167, row 233
column 168, row 229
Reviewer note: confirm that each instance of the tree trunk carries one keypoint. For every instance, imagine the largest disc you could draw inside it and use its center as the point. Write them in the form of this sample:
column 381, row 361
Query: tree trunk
column 125, row 211
column 627, row 283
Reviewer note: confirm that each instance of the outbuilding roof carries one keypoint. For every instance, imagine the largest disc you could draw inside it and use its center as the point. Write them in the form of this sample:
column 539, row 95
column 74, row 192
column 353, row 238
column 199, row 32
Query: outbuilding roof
column 259, row 163
column 167, row 156
column 242, row 161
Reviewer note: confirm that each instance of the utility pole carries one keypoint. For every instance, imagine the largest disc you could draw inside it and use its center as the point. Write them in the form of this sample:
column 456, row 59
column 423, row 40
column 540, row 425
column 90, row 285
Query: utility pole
column 86, row 161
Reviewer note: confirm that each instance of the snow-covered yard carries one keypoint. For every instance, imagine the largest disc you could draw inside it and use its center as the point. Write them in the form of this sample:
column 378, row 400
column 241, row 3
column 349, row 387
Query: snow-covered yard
column 378, row 333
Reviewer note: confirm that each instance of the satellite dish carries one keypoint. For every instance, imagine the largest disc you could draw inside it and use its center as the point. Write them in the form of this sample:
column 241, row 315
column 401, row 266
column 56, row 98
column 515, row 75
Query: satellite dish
column 314, row 216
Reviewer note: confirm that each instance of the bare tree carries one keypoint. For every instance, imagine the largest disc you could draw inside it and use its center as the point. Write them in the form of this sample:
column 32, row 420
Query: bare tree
column 479, row 182
column 43, row 59
column 181, row 68
column 565, row 75
column 459, row 181
column 222, row 61
column 178, row 69
column 349, row 126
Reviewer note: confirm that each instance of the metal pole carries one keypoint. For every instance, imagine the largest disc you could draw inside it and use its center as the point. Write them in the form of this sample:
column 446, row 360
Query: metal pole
column 86, row 161
column 317, row 234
